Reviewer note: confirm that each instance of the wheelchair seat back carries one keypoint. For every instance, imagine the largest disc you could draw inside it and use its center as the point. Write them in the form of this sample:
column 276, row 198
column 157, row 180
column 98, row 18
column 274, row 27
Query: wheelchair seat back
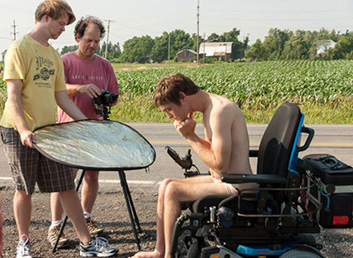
column 278, row 141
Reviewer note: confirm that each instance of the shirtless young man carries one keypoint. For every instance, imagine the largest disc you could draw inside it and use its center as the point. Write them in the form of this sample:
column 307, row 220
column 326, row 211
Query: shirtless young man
column 225, row 149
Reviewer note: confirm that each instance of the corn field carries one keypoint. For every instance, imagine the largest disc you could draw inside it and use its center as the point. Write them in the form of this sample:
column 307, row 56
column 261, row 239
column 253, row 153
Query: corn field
column 258, row 84
column 324, row 88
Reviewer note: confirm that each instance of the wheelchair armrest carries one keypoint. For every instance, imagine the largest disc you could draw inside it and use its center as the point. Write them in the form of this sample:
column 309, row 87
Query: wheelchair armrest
column 253, row 153
column 250, row 178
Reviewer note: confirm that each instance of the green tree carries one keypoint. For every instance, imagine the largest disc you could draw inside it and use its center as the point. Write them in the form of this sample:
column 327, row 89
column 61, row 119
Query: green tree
column 325, row 34
column 179, row 40
column 297, row 46
column 159, row 51
column 113, row 51
column 194, row 40
column 68, row 49
column 257, row 51
column 343, row 48
column 137, row 49
column 274, row 43
column 213, row 38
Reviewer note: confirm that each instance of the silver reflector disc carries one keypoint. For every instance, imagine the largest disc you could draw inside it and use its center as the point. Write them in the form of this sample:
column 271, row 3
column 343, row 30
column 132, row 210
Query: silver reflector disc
column 96, row 145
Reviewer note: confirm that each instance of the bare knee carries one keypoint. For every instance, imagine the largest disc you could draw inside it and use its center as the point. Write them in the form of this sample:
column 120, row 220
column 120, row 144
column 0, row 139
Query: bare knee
column 164, row 186
column 22, row 195
column 172, row 191
column 91, row 177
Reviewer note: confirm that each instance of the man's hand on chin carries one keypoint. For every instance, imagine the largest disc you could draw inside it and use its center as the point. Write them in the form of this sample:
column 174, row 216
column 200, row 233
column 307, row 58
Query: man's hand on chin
column 186, row 128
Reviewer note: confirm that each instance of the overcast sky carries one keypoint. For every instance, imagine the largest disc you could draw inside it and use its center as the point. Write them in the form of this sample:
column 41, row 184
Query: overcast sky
column 152, row 17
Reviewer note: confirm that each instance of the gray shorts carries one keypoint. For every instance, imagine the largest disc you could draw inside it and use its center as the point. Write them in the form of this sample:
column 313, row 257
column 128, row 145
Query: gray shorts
column 29, row 167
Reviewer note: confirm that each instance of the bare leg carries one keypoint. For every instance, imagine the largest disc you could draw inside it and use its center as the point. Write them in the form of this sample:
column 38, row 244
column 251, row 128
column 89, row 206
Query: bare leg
column 55, row 203
column 172, row 194
column 169, row 208
column 56, row 207
column 159, row 250
column 73, row 209
column 22, row 205
column 172, row 211
column 89, row 190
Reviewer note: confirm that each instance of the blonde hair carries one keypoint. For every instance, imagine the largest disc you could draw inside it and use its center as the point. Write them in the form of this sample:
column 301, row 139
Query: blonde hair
column 55, row 9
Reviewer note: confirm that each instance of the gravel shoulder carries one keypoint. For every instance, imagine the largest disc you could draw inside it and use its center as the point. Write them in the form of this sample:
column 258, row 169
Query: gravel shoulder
column 111, row 214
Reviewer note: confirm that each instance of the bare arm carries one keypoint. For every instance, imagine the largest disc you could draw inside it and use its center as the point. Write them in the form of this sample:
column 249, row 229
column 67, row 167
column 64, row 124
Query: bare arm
column 90, row 89
column 14, row 89
column 216, row 154
column 66, row 104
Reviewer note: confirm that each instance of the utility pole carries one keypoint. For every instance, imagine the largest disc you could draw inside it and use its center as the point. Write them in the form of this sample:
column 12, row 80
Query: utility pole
column 204, row 54
column 198, row 22
column 225, row 52
column 14, row 30
column 106, row 43
column 168, row 49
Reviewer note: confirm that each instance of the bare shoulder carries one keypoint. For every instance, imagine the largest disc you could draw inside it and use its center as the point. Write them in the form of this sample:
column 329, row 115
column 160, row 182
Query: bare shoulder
column 224, row 107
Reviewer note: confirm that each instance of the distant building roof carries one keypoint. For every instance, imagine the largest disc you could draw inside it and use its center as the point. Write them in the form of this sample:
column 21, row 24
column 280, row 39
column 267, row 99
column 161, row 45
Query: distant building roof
column 216, row 48
column 189, row 50
column 324, row 44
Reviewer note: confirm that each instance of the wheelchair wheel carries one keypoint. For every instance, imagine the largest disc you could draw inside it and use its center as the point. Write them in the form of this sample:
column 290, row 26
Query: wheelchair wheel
column 297, row 253
column 194, row 250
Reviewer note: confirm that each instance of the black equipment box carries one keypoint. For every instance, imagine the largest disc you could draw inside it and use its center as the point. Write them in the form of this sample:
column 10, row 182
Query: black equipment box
column 329, row 169
column 337, row 207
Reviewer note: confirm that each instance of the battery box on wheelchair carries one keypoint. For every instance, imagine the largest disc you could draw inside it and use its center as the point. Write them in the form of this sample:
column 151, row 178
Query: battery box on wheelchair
column 337, row 203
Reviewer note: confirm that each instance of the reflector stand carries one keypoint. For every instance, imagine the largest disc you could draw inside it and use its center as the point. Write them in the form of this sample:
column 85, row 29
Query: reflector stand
column 97, row 145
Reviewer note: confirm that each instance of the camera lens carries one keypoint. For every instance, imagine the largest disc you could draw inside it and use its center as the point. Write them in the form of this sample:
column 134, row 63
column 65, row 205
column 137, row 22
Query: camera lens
column 112, row 98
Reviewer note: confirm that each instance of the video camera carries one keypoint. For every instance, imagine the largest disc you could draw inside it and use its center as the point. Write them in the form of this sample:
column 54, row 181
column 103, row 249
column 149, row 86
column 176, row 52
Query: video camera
column 101, row 102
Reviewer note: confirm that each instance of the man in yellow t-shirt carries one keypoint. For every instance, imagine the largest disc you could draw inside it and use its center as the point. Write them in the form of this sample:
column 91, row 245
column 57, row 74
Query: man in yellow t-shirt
column 35, row 81
column 41, row 72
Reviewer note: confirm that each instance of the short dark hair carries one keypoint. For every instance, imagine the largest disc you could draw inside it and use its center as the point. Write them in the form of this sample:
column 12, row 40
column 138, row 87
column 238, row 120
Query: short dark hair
column 169, row 87
column 54, row 9
column 83, row 23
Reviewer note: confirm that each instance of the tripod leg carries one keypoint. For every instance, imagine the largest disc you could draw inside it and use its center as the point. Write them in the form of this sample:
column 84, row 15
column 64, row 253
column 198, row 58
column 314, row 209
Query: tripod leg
column 65, row 219
column 128, row 204
column 131, row 203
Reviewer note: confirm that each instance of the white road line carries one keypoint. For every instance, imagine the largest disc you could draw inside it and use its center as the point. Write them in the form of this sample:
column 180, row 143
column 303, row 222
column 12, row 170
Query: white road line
column 137, row 182
column 104, row 181
column 324, row 144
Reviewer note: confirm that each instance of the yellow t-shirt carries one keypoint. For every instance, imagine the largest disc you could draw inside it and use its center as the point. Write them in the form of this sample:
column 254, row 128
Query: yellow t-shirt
column 41, row 70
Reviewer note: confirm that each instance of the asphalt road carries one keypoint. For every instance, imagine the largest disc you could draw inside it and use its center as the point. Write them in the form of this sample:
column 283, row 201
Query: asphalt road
column 332, row 139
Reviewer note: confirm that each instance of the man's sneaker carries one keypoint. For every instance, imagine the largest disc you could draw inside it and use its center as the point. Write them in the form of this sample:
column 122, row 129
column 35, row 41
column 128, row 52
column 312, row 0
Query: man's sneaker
column 98, row 247
column 23, row 248
column 92, row 228
column 53, row 234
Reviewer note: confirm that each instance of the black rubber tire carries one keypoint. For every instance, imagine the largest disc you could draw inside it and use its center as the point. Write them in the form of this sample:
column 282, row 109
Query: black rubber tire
column 194, row 251
column 295, row 253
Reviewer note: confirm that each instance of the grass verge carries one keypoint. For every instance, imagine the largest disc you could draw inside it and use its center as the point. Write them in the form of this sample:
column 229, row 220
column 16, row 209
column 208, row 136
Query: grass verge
column 141, row 109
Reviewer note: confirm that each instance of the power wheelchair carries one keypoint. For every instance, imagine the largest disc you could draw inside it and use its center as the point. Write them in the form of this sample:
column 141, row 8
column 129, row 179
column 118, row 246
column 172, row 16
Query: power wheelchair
column 294, row 198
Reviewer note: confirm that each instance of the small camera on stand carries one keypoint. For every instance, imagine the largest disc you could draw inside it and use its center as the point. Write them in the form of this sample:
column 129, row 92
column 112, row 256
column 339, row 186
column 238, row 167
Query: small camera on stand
column 103, row 101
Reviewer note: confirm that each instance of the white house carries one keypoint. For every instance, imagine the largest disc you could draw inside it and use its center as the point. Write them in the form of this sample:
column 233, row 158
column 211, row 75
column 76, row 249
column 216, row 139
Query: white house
column 322, row 45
